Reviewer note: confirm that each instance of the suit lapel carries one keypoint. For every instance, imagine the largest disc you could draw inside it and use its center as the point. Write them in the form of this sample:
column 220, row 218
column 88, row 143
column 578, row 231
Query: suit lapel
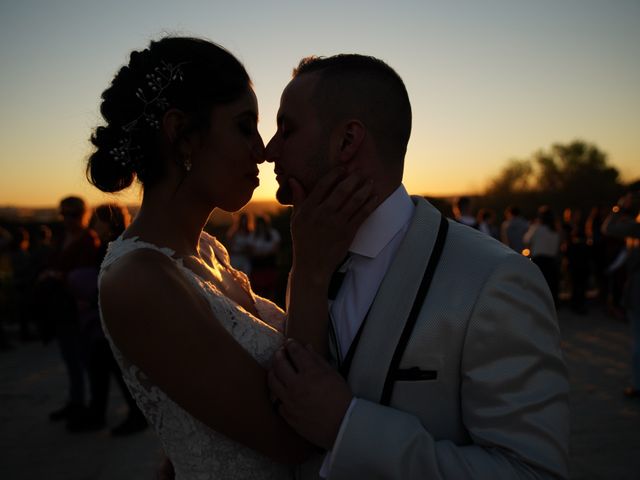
column 392, row 304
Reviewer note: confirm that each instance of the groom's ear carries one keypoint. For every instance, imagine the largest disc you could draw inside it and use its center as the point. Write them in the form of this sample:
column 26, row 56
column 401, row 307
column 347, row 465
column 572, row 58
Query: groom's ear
column 353, row 134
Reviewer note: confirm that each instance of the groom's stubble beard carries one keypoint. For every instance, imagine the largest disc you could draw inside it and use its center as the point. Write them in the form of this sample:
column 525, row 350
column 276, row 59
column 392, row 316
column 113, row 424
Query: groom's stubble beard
column 284, row 195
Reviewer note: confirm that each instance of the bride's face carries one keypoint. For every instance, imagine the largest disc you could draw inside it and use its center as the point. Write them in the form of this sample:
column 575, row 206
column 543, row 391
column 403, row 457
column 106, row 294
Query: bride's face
column 224, row 164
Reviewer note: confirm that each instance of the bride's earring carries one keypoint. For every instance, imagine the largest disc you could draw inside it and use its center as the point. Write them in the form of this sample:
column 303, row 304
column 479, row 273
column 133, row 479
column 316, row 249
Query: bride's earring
column 187, row 163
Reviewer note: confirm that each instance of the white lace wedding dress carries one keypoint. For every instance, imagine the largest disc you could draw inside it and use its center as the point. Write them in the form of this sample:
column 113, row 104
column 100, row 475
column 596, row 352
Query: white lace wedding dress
column 196, row 451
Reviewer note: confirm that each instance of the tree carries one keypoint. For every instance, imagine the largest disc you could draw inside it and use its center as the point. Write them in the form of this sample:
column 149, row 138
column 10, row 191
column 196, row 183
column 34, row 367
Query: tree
column 515, row 177
column 579, row 172
column 575, row 175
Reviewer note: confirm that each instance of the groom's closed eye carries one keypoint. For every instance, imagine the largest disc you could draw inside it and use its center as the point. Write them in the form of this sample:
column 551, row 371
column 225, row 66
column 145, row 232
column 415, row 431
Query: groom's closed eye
column 285, row 126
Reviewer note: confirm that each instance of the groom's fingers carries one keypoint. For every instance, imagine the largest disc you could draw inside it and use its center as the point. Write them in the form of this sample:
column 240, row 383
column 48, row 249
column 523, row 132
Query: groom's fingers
column 316, row 357
column 358, row 199
column 283, row 368
column 342, row 193
column 324, row 186
column 278, row 390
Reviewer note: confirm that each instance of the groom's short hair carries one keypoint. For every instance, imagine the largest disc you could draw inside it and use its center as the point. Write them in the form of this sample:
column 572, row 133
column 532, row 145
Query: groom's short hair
column 366, row 88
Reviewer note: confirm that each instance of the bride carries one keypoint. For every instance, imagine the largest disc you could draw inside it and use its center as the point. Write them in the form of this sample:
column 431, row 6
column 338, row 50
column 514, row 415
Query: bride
column 191, row 337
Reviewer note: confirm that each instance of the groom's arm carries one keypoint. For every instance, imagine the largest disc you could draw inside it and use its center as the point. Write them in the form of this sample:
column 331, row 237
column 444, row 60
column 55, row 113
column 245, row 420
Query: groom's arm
column 513, row 399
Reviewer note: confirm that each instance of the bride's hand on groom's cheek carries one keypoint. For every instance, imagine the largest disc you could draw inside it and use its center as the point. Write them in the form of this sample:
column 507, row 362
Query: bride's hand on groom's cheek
column 313, row 397
column 325, row 220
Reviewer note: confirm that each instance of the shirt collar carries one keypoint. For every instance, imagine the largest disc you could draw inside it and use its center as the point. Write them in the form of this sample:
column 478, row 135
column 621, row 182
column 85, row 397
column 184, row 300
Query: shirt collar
column 383, row 224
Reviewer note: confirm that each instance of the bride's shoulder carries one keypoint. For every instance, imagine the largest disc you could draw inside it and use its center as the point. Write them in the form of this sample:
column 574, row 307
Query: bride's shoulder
column 137, row 275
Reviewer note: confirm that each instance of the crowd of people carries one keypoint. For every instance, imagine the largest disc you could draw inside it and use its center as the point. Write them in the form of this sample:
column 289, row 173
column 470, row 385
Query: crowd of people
column 253, row 246
column 576, row 256
column 50, row 289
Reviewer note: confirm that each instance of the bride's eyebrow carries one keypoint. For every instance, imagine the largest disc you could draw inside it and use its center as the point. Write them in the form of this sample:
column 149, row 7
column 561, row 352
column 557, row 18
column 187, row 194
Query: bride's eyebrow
column 248, row 113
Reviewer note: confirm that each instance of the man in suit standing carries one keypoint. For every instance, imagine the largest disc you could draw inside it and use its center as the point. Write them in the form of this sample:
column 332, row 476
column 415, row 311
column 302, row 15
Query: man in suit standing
column 446, row 342
column 513, row 228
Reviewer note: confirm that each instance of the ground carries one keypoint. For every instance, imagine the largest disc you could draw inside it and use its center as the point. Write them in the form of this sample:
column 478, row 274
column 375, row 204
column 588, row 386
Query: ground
column 605, row 440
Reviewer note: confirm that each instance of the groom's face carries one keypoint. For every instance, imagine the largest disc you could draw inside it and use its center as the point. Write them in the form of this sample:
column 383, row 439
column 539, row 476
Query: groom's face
column 299, row 149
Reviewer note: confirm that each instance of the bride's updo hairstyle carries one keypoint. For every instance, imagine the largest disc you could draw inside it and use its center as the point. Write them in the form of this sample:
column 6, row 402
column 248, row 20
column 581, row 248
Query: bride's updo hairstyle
column 189, row 74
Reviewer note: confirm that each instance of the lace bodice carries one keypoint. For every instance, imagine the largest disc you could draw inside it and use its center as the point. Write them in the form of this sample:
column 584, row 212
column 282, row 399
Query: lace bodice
column 196, row 451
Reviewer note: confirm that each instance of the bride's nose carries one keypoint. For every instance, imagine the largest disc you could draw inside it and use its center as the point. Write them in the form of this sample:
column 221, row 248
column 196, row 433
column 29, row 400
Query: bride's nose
column 258, row 151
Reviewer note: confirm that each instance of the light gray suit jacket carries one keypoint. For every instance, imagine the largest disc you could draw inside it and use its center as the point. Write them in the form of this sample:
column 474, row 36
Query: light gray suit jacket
column 498, row 405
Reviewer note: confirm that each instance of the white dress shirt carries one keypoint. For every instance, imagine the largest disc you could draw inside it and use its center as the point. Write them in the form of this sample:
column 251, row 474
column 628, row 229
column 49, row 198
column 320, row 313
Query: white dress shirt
column 371, row 252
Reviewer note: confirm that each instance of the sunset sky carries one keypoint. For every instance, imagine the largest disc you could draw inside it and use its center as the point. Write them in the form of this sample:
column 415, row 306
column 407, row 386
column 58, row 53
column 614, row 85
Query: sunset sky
column 488, row 80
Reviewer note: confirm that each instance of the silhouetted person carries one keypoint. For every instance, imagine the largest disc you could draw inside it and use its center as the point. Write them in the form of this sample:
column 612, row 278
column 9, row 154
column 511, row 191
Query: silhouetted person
column 577, row 252
column 5, row 273
column 41, row 249
column 616, row 275
column 513, row 229
column 5, row 239
column 624, row 221
column 264, row 257
column 598, row 250
column 22, row 280
column 239, row 239
column 486, row 221
column 462, row 212
column 543, row 240
column 75, row 249
column 108, row 221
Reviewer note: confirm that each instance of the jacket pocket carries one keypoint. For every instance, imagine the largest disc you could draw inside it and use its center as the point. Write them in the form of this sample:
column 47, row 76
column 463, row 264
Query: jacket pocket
column 414, row 374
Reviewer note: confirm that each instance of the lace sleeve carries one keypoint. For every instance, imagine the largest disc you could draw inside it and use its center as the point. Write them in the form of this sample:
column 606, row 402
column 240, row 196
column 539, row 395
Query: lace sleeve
column 207, row 240
column 269, row 312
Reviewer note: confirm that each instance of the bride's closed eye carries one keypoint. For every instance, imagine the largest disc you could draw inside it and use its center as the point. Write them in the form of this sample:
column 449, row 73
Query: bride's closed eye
column 247, row 127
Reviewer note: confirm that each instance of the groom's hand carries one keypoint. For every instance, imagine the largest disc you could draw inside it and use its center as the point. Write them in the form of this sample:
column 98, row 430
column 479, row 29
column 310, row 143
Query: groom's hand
column 313, row 396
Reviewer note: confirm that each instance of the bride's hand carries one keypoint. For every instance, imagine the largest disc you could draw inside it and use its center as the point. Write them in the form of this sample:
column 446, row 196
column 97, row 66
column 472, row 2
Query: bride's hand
column 325, row 221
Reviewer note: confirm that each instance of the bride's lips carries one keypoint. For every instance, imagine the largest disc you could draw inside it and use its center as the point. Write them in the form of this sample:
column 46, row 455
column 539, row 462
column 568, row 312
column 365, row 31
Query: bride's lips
column 253, row 177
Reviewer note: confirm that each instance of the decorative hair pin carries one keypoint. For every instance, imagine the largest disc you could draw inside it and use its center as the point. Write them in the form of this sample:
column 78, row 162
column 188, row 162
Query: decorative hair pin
column 151, row 94
column 154, row 103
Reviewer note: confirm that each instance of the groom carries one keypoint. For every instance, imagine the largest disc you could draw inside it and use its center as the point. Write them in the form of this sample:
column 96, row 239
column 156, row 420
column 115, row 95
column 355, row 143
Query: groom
column 447, row 343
